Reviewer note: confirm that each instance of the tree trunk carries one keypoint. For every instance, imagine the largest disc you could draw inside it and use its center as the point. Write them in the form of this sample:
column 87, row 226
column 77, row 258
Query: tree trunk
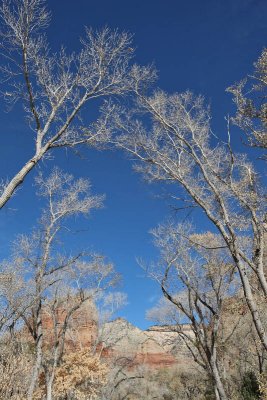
column 218, row 385
column 217, row 396
column 39, row 355
column 50, row 377
column 49, row 384
column 251, row 303
column 16, row 181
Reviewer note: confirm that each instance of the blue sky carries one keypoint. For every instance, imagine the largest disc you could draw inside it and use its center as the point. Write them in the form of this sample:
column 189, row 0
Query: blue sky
column 204, row 46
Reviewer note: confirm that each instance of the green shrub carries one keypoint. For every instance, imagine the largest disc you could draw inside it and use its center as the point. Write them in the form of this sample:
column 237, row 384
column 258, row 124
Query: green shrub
column 250, row 387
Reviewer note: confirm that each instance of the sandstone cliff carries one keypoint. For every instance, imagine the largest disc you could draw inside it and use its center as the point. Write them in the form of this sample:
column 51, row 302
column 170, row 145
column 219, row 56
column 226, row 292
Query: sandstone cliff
column 156, row 347
column 121, row 342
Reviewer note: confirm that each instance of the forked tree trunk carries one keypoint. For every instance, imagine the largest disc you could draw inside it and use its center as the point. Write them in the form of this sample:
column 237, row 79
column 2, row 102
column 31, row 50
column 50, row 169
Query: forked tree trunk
column 218, row 384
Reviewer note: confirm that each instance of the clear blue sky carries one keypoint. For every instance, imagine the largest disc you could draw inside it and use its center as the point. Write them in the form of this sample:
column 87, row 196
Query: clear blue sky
column 200, row 45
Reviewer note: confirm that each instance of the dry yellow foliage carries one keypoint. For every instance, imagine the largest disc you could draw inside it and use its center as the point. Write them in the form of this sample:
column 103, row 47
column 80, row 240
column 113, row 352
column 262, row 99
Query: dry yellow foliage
column 15, row 368
column 80, row 376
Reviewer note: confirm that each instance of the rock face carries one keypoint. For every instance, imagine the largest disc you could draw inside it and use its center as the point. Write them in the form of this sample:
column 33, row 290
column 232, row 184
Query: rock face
column 121, row 342
column 82, row 328
column 157, row 347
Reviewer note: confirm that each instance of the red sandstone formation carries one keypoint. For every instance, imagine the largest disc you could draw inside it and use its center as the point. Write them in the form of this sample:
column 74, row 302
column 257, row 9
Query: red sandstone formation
column 82, row 327
column 121, row 342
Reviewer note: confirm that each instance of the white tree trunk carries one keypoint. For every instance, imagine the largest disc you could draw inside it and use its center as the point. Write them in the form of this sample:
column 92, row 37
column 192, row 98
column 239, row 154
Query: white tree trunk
column 38, row 359
column 16, row 181
column 251, row 303
column 218, row 385
column 50, row 377
column 49, row 385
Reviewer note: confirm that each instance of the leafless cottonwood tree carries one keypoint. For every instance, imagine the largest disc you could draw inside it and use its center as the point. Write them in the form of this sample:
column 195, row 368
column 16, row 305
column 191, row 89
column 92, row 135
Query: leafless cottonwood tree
column 12, row 300
column 56, row 87
column 82, row 284
column 108, row 304
column 250, row 95
column 58, row 312
column 179, row 148
column 197, row 282
column 54, row 281
column 121, row 380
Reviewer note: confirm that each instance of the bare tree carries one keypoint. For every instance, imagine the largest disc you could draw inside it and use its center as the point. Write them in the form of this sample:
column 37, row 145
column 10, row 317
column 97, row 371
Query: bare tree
column 249, row 96
column 56, row 87
column 59, row 313
column 122, row 381
column 82, row 284
column 197, row 282
column 108, row 304
column 181, row 149
column 54, row 281
column 12, row 299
